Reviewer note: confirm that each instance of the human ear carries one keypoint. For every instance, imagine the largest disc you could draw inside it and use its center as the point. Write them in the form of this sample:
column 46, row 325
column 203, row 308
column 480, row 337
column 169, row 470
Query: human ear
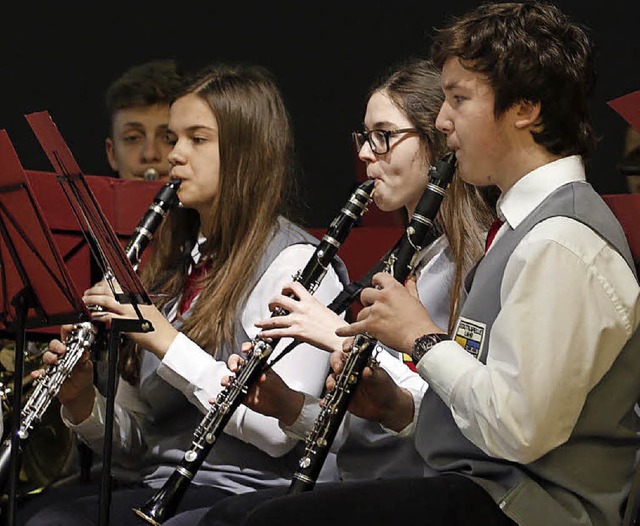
column 111, row 155
column 527, row 113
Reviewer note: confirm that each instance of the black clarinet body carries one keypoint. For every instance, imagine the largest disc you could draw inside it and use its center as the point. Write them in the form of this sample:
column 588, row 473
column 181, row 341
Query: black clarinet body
column 163, row 504
column 165, row 199
column 83, row 335
column 400, row 263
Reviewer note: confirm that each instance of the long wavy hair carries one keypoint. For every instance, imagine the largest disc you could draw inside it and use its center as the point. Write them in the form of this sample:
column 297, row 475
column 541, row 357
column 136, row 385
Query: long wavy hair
column 466, row 211
column 256, row 185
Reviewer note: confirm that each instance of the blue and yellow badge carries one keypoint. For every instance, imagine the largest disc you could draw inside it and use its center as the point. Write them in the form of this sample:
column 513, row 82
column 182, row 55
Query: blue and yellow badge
column 470, row 334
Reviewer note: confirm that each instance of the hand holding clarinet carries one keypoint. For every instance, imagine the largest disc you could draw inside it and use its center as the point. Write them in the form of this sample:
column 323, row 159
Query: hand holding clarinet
column 306, row 319
column 68, row 372
column 392, row 314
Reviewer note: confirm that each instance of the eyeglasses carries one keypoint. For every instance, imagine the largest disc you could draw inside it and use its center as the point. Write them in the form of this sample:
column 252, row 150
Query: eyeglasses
column 378, row 139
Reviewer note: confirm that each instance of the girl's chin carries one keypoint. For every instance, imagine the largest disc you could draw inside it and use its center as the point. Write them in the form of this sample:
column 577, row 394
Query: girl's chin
column 387, row 207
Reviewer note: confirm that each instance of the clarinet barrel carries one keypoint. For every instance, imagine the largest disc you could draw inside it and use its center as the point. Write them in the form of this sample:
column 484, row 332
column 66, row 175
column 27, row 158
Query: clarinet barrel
column 400, row 263
column 163, row 504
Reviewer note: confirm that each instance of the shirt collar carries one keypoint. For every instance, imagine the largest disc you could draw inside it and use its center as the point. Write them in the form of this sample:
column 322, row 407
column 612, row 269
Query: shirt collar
column 524, row 196
column 195, row 251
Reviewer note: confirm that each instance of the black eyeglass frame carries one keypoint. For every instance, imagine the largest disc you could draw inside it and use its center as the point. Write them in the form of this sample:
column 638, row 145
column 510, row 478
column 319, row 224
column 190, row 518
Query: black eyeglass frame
column 387, row 134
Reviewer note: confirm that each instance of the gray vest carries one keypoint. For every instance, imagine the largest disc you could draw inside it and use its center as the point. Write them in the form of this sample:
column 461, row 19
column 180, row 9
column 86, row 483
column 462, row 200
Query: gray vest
column 169, row 425
column 584, row 481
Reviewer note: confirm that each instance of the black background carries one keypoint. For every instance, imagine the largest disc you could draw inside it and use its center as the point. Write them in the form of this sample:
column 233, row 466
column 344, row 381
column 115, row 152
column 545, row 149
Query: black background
column 60, row 57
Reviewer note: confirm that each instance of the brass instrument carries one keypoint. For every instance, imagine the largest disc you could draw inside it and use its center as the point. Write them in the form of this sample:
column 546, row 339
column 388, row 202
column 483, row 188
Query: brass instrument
column 162, row 505
column 49, row 455
column 400, row 264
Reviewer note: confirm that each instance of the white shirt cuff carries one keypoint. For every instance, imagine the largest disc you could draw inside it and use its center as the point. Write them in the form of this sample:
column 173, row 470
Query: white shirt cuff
column 92, row 427
column 307, row 417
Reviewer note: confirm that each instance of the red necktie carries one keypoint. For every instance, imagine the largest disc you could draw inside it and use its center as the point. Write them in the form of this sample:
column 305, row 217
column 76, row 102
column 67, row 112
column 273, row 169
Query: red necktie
column 493, row 230
column 192, row 287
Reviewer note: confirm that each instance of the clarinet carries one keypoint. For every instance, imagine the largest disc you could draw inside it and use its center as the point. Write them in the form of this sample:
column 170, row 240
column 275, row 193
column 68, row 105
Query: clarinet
column 83, row 335
column 162, row 505
column 351, row 292
column 400, row 264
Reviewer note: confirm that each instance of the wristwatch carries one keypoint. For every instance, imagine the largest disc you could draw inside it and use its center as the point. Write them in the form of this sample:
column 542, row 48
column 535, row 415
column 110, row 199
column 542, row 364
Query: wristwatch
column 423, row 344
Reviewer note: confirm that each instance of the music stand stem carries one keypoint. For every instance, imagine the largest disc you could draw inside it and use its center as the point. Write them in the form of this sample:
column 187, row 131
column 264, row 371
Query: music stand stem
column 118, row 326
column 21, row 304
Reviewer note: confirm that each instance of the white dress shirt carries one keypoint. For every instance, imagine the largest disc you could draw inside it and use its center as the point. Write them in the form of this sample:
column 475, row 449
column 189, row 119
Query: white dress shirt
column 569, row 303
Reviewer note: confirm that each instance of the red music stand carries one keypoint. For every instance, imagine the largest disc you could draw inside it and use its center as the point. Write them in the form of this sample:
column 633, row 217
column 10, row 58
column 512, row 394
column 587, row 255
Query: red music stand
column 123, row 203
column 35, row 287
column 112, row 260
